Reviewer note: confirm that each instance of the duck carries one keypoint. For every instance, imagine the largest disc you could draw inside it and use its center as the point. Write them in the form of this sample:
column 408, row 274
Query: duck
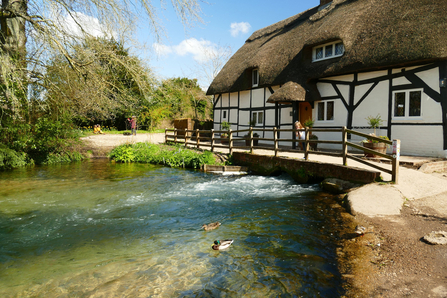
column 211, row 226
column 222, row 244
column 360, row 230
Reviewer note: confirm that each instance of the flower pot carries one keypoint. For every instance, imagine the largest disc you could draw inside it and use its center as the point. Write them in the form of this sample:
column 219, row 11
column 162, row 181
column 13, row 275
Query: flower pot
column 379, row 147
column 255, row 142
column 224, row 140
column 313, row 146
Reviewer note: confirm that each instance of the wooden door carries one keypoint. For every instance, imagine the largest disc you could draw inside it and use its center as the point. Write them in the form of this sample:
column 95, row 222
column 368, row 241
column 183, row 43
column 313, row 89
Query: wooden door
column 305, row 112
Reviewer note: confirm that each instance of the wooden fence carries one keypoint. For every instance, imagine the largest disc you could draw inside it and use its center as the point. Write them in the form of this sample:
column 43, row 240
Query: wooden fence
column 227, row 139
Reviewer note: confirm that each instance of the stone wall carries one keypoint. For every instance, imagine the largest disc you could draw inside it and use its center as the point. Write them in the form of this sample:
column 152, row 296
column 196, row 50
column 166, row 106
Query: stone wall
column 303, row 171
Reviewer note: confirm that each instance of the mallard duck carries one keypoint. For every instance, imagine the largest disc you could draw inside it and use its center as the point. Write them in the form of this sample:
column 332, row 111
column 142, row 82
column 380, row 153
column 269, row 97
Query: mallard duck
column 222, row 244
column 360, row 230
column 211, row 226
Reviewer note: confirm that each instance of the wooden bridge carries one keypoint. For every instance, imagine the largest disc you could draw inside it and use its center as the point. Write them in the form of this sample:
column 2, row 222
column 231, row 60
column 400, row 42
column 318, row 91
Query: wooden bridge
column 230, row 140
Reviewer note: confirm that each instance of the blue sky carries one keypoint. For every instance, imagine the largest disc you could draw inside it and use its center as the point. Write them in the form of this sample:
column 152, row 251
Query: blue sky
column 184, row 54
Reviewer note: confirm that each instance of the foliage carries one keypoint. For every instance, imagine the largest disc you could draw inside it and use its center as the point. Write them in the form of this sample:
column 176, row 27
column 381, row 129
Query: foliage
column 10, row 159
column 309, row 123
column 374, row 122
column 225, row 125
column 173, row 156
column 175, row 98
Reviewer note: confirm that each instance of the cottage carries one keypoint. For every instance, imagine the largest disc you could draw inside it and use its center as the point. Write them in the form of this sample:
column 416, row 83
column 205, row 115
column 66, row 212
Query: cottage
column 339, row 63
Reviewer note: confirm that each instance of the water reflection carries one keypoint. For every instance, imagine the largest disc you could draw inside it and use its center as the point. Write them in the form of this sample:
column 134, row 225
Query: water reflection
column 114, row 230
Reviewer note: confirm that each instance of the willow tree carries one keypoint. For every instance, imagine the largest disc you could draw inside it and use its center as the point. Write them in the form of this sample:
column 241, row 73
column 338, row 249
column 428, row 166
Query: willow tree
column 38, row 35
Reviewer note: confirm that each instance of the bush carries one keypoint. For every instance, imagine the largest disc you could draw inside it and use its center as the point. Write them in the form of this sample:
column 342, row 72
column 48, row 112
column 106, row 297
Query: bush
column 173, row 156
column 10, row 159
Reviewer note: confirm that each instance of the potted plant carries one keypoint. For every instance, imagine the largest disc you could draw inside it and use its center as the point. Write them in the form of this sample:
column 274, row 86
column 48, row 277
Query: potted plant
column 313, row 145
column 255, row 140
column 309, row 123
column 224, row 126
column 375, row 122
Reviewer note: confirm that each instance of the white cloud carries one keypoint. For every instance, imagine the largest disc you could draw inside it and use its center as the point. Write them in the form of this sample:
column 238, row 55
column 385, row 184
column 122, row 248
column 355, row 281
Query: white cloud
column 237, row 28
column 201, row 50
column 89, row 24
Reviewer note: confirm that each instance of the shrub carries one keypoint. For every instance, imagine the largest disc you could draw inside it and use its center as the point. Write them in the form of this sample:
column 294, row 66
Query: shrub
column 10, row 159
column 173, row 156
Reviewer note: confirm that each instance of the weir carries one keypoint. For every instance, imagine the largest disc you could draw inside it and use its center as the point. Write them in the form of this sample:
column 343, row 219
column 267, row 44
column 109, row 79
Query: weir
column 303, row 171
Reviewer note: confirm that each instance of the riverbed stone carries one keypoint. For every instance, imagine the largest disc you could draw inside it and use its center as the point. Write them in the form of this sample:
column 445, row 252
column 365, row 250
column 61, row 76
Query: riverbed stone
column 337, row 186
column 436, row 237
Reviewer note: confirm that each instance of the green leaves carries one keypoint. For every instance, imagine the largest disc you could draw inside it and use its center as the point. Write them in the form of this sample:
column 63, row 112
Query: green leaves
column 172, row 156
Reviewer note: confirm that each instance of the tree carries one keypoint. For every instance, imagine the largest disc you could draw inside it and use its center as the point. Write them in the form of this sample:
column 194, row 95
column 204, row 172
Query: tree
column 35, row 31
column 176, row 98
column 112, row 83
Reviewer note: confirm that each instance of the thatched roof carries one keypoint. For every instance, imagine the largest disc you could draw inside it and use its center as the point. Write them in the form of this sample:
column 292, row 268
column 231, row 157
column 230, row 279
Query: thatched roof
column 375, row 33
column 289, row 92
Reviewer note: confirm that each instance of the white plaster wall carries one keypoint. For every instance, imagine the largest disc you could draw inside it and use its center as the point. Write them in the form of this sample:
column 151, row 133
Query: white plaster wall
column 326, row 89
column 234, row 99
column 244, row 99
column 375, row 104
column 233, row 116
column 419, row 140
column 257, row 98
column 285, row 116
column 431, row 78
column 270, row 117
column 225, row 100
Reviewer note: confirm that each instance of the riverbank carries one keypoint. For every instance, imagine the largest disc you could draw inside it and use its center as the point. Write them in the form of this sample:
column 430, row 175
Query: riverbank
column 390, row 260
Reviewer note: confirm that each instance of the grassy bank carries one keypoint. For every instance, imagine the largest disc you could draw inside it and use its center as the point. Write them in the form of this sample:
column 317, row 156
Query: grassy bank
column 172, row 156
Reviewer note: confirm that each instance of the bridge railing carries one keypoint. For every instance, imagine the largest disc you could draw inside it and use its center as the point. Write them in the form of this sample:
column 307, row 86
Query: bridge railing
column 230, row 139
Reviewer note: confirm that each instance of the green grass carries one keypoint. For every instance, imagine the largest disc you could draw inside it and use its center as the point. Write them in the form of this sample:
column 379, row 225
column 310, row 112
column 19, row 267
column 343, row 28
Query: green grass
column 172, row 156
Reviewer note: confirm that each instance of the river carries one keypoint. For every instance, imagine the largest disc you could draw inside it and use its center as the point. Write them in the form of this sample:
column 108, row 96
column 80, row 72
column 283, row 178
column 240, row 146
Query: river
column 100, row 229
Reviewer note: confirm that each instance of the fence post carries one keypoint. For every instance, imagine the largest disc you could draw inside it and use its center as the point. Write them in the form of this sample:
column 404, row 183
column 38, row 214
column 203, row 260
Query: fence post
column 212, row 140
column 251, row 139
column 166, row 135
column 186, row 137
column 344, row 136
column 275, row 140
column 396, row 157
column 175, row 135
column 198, row 138
column 306, row 144
column 230, row 141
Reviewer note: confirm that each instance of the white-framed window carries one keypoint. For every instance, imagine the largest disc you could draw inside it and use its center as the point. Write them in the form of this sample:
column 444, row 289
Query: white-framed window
column 407, row 104
column 257, row 118
column 328, row 51
column 255, row 77
column 325, row 111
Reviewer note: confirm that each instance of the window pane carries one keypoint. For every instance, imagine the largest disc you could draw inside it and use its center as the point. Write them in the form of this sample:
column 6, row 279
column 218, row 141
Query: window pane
column 399, row 104
column 260, row 117
column 224, row 114
column 255, row 77
column 339, row 49
column 254, row 118
column 328, row 52
column 318, row 53
column 330, row 110
column 415, row 103
column 321, row 111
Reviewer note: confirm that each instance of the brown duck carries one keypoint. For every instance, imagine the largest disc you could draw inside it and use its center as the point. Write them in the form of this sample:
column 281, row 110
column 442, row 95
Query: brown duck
column 211, row 226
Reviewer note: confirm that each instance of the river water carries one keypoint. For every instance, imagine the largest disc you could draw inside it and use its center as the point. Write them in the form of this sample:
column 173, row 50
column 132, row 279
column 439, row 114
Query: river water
column 99, row 229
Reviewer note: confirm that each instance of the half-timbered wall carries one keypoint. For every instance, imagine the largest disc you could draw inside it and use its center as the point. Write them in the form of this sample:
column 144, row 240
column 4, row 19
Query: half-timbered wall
column 360, row 95
column 353, row 98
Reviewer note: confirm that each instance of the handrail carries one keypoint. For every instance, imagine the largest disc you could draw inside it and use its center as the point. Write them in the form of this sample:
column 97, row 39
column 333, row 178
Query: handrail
column 227, row 139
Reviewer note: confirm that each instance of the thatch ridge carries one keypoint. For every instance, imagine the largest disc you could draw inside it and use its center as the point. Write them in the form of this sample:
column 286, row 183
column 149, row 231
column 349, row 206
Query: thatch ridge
column 376, row 34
